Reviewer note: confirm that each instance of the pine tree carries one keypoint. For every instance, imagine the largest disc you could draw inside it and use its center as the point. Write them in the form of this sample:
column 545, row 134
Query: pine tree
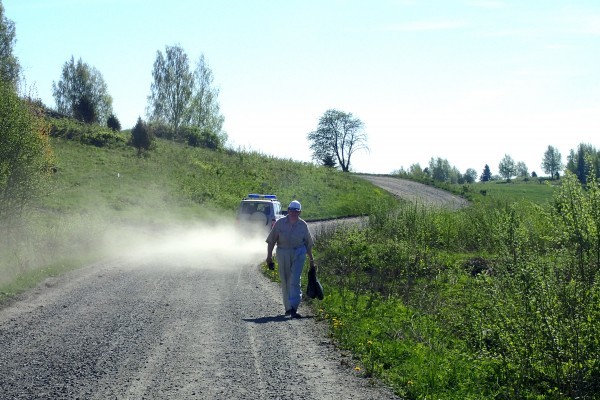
column 486, row 175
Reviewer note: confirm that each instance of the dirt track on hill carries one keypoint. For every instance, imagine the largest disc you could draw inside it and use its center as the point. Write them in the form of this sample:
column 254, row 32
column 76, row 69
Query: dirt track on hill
column 188, row 315
column 417, row 192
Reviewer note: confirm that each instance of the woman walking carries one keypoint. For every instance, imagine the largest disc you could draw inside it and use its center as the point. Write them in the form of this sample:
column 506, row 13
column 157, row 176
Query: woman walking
column 294, row 242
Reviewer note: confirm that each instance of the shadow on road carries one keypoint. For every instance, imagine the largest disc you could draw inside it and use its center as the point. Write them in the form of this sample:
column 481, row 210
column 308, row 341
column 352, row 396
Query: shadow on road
column 277, row 318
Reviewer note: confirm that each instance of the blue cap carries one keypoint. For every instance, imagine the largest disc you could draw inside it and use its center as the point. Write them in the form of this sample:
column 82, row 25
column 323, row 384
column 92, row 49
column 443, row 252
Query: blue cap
column 295, row 205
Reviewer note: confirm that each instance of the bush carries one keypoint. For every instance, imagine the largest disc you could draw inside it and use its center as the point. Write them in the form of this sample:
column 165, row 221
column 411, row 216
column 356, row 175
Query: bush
column 113, row 123
column 25, row 155
column 510, row 292
column 85, row 111
column 141, row 138
column 161, row 130
column 91, row 134
column 201, row 138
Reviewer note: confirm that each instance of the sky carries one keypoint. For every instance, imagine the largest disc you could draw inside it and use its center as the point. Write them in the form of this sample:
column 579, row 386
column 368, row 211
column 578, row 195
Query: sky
column 466, row 81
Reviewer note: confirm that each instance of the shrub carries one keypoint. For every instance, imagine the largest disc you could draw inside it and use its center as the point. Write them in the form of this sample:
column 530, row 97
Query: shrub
column 113, row 123
column 196, row 137
column 140, row 136
column 161, row 130
column 25, row 155
column 84, row 110
column 91, row 134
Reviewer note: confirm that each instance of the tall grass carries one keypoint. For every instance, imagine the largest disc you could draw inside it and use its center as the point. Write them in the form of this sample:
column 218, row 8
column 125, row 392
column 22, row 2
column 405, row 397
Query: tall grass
column 498, row 300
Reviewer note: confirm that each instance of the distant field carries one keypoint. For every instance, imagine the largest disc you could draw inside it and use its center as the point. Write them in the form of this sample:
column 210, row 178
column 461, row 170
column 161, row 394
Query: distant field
column 534, row 191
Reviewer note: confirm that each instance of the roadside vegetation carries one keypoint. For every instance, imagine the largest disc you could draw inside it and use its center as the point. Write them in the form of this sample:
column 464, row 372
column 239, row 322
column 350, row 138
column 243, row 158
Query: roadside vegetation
column 500, row 300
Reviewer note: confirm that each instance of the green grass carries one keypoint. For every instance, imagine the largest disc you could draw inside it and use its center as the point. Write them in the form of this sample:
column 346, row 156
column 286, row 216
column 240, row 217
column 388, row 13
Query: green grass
column 533, row 190
column 178, row 181
column 97, row 188
column 496, row 300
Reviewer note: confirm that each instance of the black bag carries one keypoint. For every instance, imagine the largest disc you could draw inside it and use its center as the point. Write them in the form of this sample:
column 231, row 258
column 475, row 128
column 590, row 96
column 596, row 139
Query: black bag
column 314, row 288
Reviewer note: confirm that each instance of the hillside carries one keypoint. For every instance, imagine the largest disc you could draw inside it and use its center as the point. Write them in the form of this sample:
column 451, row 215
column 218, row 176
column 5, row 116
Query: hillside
column 109, row 191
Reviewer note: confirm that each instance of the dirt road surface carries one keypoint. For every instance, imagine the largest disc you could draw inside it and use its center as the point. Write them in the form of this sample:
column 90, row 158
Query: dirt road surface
column 117, row 330
column 182, row 315
column 417, row 192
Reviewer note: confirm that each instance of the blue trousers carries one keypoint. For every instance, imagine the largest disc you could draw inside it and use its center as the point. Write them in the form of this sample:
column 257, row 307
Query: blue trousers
column 291, row 263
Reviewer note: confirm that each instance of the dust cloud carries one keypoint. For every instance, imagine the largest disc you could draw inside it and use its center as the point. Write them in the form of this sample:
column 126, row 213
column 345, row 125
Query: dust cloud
column 223, row 245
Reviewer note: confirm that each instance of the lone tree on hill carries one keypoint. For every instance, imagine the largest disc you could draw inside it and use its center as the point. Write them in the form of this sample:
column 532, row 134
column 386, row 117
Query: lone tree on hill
column 552, row 162
column 507, row 167
column 339, row 135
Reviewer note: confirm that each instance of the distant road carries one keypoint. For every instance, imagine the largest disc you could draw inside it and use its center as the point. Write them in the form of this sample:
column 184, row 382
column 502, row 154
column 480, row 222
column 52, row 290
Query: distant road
column 417, row 192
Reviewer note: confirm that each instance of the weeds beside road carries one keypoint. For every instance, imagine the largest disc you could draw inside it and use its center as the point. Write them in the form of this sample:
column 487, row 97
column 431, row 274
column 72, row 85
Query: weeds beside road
column 496, row 300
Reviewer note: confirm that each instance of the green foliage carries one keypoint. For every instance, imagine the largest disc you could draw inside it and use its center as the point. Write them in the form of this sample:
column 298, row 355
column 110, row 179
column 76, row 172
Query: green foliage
column 9, row 64
column 497, row 300
column 163, row 131
column 441, row 171
column 486, row 175
column 181, row 98
column 507, row 167
column 171, row 90
column 201, row 138
column 552, row 161
column 470, row 176
column 204, row 108
column 577, row 164
column 140, row 137
column 90, row 134
column 25, row 156
column 82, row 93
column 338, row 136
column 113, row 123
column 84, row 111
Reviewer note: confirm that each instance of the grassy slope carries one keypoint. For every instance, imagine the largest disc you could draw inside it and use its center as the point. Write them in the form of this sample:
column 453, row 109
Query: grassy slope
column 180, row 182
column 96, row 189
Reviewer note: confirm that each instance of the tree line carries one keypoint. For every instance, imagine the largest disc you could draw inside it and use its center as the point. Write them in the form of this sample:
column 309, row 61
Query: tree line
column 580, row 162
column 182, row 105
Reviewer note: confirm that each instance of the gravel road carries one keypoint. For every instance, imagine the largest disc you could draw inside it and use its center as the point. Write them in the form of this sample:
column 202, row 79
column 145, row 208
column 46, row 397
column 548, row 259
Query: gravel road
column 417, row 192
column 186, row 315
column 170, row 327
